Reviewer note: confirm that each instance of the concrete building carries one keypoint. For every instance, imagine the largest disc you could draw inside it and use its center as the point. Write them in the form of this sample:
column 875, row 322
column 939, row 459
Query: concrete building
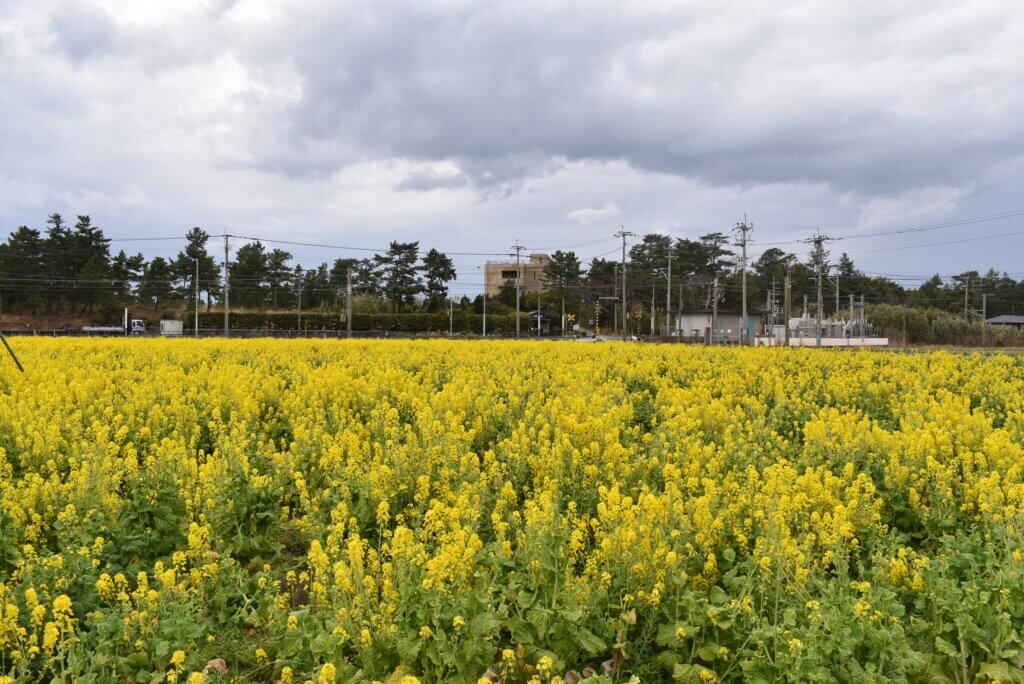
column 497, row 273
column 697, row 324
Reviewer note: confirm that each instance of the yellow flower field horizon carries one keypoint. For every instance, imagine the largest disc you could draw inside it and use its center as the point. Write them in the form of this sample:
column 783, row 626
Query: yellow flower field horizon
column 403, row 511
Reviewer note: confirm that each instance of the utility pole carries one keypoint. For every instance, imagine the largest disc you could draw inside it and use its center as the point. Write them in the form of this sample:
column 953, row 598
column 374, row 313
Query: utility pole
column 538, row 313
column 668, row 295
column 519, row 280
column 652, row 309
column 837, row 294
column 984, row 319
column 744, row 228
column 623, row 233
column 967, row 289
column 714, row 308
column 615, row 298
column 485, row 313
column 227, row 288
column 818, row 240
column 904, row 322
column 863, row 321
column 451, row 318
column 298, row 287
column 851, row 310
column 786, row 306
column 817, row 312
column 348, row 303
column 197, row 296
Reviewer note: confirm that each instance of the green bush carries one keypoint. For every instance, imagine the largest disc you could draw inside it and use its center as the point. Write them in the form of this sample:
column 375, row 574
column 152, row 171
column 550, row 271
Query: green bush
column 935, row 326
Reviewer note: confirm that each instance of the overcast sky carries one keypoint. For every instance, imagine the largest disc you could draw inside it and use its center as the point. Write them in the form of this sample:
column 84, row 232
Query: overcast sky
column 468, row 126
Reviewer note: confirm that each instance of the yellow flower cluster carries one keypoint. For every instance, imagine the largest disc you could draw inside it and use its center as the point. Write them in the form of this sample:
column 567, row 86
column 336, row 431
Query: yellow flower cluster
column 374, row 492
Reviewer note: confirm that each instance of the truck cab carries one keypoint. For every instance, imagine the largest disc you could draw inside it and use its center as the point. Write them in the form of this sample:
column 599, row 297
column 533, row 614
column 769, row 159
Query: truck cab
column 138, row 326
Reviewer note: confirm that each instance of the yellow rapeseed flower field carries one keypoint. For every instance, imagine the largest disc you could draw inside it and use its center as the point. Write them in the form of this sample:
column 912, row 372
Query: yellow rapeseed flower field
column 389, row 511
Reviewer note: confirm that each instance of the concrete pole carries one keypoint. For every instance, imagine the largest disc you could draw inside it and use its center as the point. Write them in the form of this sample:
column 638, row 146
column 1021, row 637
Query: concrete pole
column 227, row 288
column 668, row 296
column 714, row 309
column 197, row 296
column 786, row 306
column 519, row 284
column 817, row 313
column 348, row 303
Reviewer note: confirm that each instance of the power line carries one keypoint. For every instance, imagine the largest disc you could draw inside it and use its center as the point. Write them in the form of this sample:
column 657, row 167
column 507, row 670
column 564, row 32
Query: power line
column 350, row 248
column 940, row 244
column 915, row 229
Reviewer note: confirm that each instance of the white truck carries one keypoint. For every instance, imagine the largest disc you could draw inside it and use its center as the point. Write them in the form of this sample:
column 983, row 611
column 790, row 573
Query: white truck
column 172, row 328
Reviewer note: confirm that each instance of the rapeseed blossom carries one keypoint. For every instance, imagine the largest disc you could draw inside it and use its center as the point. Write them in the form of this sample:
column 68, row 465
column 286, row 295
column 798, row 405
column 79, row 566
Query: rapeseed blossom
column 416, row 511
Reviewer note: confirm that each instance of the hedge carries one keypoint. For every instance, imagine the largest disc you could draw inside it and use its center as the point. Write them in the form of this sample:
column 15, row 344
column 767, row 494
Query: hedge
column 403, row 322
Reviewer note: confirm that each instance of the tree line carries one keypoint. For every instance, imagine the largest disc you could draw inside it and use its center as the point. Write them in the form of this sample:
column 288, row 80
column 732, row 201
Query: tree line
column 71, row 270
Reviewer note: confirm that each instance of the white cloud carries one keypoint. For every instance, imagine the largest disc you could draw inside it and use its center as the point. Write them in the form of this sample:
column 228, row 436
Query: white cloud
column 588, row 216
column 913, row 206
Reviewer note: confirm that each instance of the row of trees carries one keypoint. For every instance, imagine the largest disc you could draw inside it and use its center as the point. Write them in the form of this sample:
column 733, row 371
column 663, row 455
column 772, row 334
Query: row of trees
column 69, row 269
column 400, row 278
column 697, row 265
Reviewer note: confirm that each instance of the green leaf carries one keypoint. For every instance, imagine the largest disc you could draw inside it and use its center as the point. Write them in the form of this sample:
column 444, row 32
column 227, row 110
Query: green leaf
column 590, row 642
column 708, row 652
column 943, row 646
column 1002, row 672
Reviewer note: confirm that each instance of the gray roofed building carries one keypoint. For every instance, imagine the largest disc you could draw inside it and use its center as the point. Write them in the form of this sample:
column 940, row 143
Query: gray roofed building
column 1007, row 319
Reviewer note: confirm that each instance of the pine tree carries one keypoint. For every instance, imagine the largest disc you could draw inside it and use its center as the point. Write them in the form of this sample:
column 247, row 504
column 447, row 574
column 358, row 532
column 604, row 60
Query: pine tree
column 398, row 267
column 249, row 275
column 438, row 270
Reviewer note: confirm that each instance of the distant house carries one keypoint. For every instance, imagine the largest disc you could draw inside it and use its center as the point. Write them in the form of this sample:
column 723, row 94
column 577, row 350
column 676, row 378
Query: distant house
column 1007, row 320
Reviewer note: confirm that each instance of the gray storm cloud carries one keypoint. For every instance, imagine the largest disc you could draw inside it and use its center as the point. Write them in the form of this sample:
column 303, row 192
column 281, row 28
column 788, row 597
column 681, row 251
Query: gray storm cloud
column 415, row 117
column 727, row 93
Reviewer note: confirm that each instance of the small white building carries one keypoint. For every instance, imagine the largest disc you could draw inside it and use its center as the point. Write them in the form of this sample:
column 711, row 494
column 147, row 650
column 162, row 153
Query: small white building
column 698, row 323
